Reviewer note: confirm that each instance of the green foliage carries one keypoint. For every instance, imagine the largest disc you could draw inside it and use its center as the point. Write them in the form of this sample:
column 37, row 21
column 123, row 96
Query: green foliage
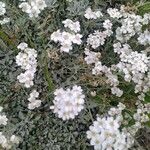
column 145, row 8
column 76, row 8
column 147, row 97
column 40, row 129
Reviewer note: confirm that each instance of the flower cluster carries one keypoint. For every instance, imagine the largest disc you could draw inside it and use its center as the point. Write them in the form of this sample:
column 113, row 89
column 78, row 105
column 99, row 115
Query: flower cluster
column 99, row 69
column 2, row 12
column 91, row 57
column 66, row 39
column 140, row 117
column 34, row 103
column 112, row 79
column 89, row 14
column 114, row 13
column 73, row 26
column 105, row 133
column 2, row 8
column 131, row 24
column 135, row 67
column 98, row 37
column 6, row 142
column 27, row 60
column 68, row 103
column 3, row 118
column 133, row 64
column 33, row 7
column 144, row 38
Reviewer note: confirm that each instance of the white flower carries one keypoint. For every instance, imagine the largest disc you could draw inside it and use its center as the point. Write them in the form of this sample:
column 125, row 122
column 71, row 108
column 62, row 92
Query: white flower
column 33, row 8
column 26, row 78
column 144, row 38
column 68, row 103
column 67, row 39
column 33, row 102
column 74, row 26
column 135, row 67
column 67, row 23
column 107, row 24
column 77, row 39
column 41, row 4
column 2, row 8
column 2, row 12
column 14, row 139
column 4, row 142
column 91, row 57
column 96, row 39
column 34, row 94
column 4, row 21
column 112, row 78
column 22, row 46
column 34, row 12
column 121, row 106
column 131, row 25
column 89, row 14
column 27, row 60
column 3, row 120
column 66, row 48
column 93, row 93
column 116, row 91
column 105, row 134
column 114, row 13
column 2, row 138
column 1, row 108
column 56, row 36
column 25, row 6
column 6, row 145
column 146, row 19
column 98, row 68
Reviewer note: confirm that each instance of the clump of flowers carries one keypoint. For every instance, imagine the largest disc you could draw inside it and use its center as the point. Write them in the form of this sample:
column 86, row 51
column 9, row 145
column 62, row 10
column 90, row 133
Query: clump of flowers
column 2, row 12
column 27, row 60
column 144, row 38
column 73, row 26
column 106, row 133
column 109, row 131
column 3, row 118
column 131, row 24
column 66, row 39
column 6, row 142
column 89, row 14
column 112, row 79
column 68, row 103
column 34, row 102
column 98, row 38
column 140, row 117
column 91, row 57
column 135, row 67
column 33, row 7
column 114, row 13
column 99, row 69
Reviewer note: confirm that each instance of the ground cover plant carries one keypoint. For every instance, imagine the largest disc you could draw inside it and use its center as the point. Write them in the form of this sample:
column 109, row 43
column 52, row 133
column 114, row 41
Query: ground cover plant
column 74, row 74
